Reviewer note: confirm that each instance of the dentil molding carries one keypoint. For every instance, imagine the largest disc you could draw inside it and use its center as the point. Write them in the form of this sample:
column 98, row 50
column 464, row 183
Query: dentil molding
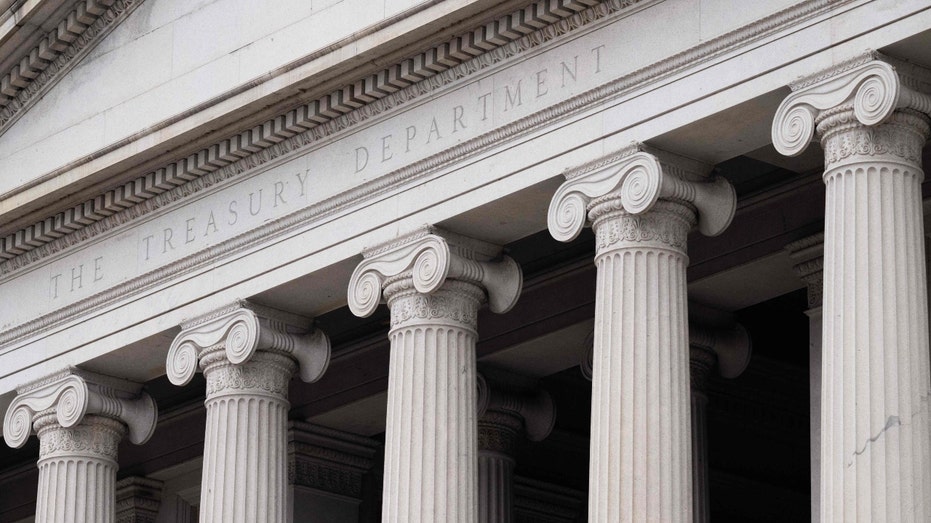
column 55, row 54
column 228, row 159
column 523, row 30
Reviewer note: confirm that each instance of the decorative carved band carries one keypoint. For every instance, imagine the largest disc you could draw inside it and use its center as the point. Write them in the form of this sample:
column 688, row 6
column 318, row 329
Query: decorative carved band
column 242, row 332
column 138, row 500
column 534, row 408
column 637, row 181
column 808, row 256
column 365, row 92
column 46, row 238
column 56, row 53
column 329, row 460
column 428, row 259
column 74, row 394
column 280, row 135
column 874, row 89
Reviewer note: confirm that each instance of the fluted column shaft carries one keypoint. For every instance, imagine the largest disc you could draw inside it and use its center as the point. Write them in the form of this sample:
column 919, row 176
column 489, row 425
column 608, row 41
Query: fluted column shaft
column 701, row 361
column 808, row 253
column 245, row 443
column 876, row 442
column 80, row 418
column 77, row 469
column 497, row 437
column 640, row 468
column 871, row 115
column 430, row 437
column 248, row 354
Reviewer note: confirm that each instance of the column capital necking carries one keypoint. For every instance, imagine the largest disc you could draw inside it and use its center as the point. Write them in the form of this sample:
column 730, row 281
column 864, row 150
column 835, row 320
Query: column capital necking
column 867, row 90
column 807, row 255
column 427, row 259
column 633, row 180
column 241, row 330
column 70, row 396
column 499, row 398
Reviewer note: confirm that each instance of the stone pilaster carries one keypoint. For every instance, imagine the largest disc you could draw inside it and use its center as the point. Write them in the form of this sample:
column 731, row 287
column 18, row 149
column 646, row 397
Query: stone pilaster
column 248, row 355
column 138, row 500
column 641, row 206
column 807, row 256
column 434, row 283
column 506, row 413
column 728, row 352
column 871, row 116
column 326, row 469
column 80, row 418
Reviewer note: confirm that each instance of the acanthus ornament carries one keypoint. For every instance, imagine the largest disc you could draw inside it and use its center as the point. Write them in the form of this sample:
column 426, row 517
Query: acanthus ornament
column 271, row 379
column 501, row 404
column 903, row 140
column 439, row 305
column 428, row 258
column 242, row 332
column 99, row 436
column 646, row 228
column 874, row 89
column 74, row 394
column 638, row 180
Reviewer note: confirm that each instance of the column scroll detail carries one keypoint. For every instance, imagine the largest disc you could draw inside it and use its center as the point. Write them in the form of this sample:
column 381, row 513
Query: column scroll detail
column 434, row 282
column 871, row 115
column 248, row 355
column 641, row 204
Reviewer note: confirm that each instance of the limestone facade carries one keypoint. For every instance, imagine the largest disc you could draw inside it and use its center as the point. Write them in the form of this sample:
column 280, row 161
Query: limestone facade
column 430, row 213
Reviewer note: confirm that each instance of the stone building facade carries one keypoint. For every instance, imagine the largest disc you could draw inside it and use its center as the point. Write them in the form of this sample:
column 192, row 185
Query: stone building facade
column 464, row 260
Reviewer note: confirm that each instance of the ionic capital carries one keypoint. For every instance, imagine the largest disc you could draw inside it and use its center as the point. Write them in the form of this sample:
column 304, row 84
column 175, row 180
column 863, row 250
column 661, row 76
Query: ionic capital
column 74, row 394
column 533, row 407
column 430, row 257
column 807, row 256
column 727, row 349
column 639, row 177
column 873, row 86
column 242, row 330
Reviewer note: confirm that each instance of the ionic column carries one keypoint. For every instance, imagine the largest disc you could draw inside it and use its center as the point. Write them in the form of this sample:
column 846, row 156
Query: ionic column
column 506, row 413
column 808, row 257
column 80, row 418
column 434, row 283
column 871, row 117
column 727, row 351
column 641, row 206
column 248, row 355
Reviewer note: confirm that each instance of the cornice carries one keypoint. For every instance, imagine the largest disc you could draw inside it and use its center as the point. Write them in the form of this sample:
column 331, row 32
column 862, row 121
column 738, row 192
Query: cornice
column 195, row 173
column 63, row 47
column 396, row 85
column 518, row 32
